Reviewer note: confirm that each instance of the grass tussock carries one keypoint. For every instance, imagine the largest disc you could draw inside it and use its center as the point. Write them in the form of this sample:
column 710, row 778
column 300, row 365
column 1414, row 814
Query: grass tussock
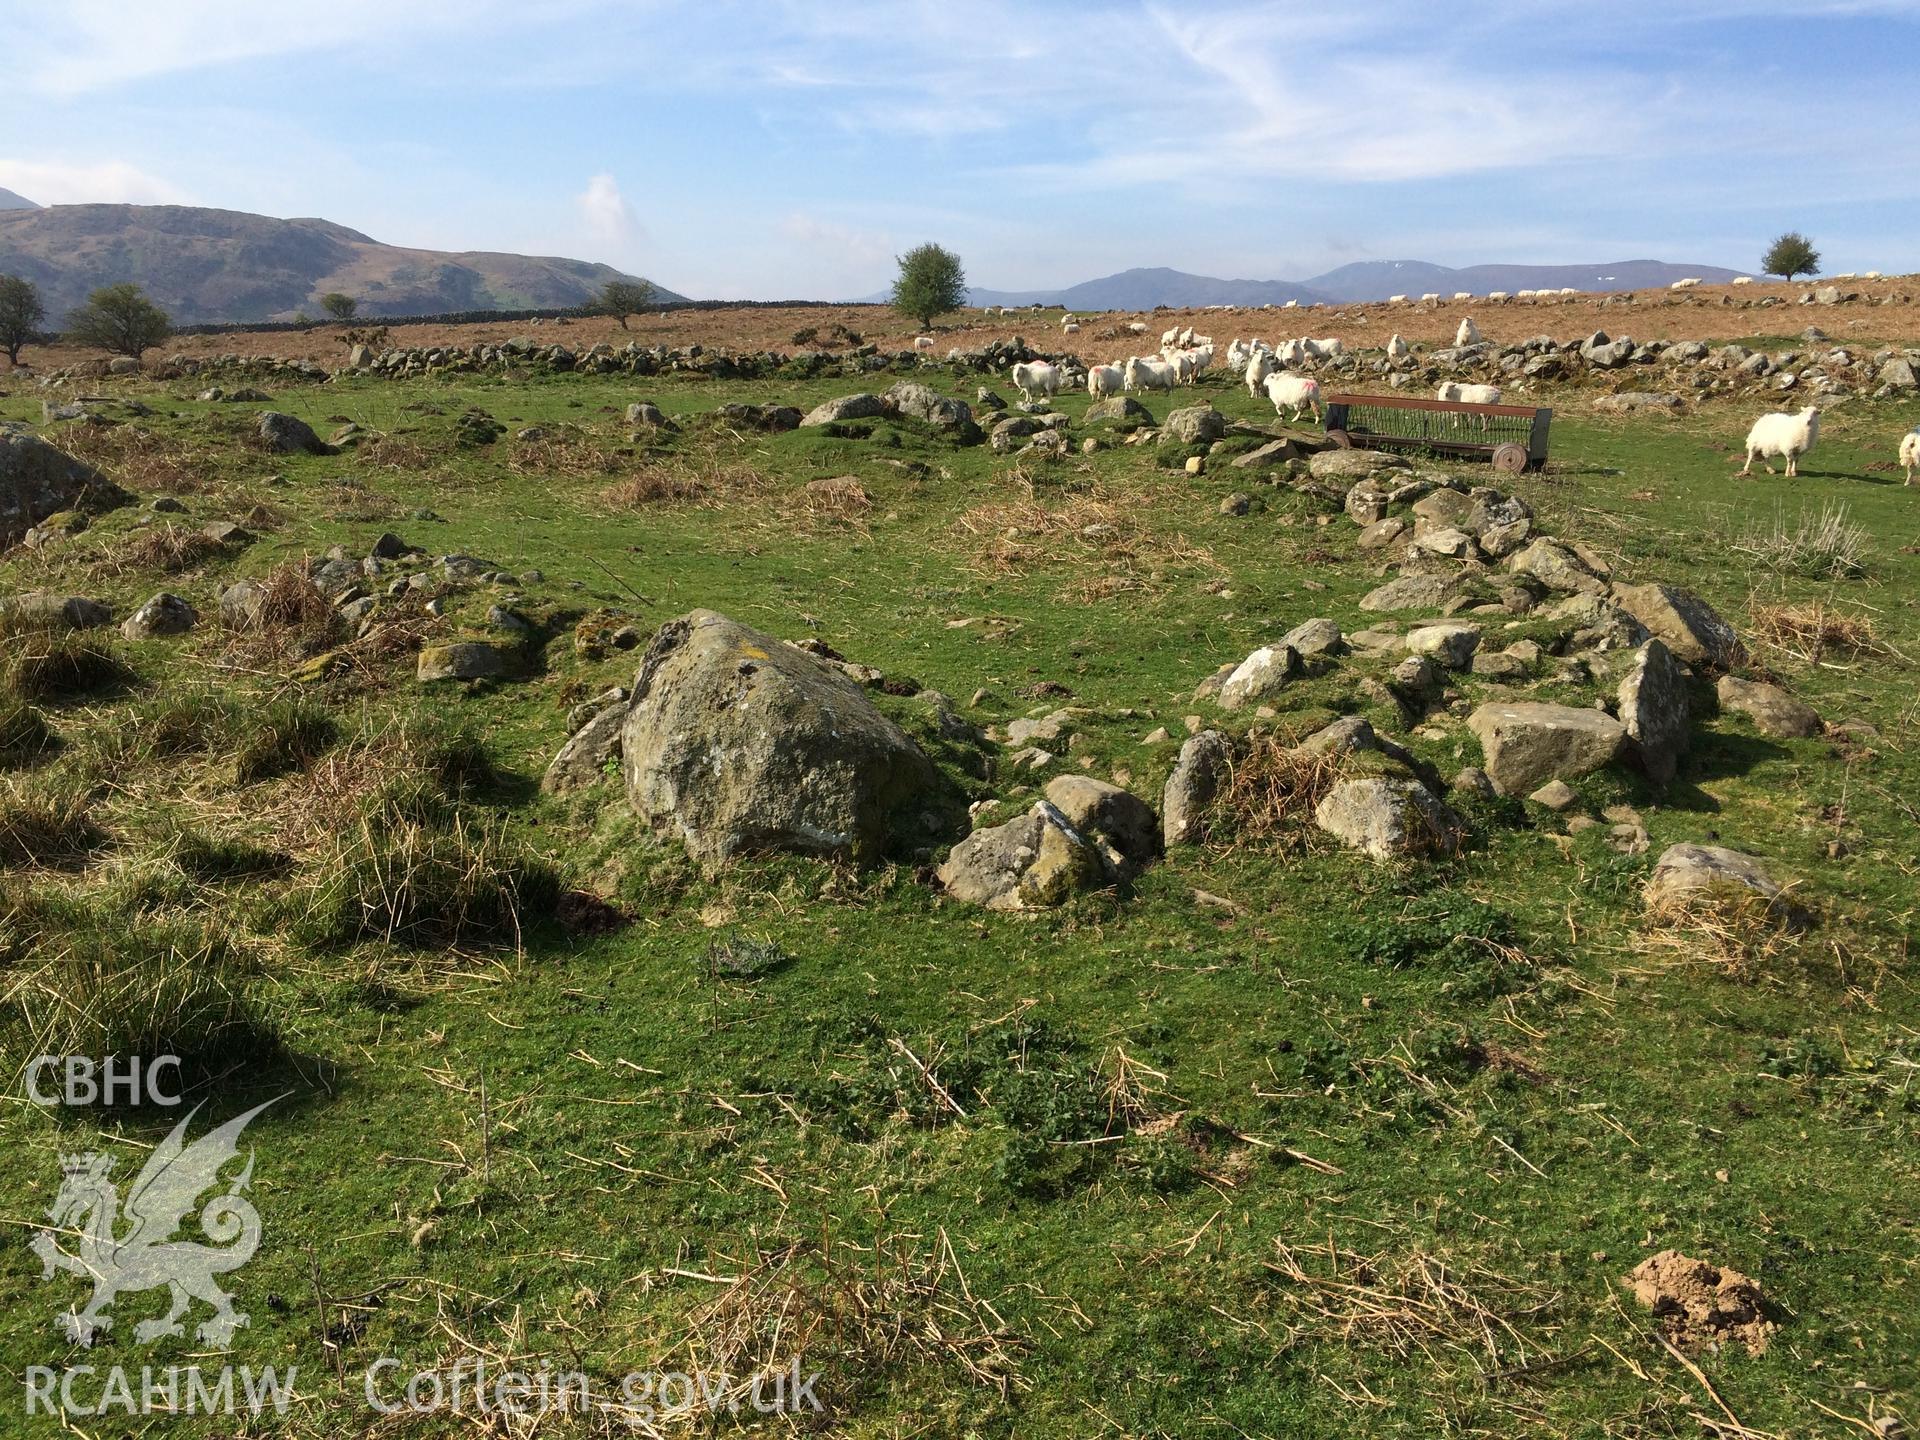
column 417, row 869
column 79, row 976
column 169, row 549
column 25, row 735
column 575, row 455
column 1119, row 530
column 168, row 727
column 138, row 458
column 690, row 476
column 1812, row 630
column 48, row 665
column 1270, row 794
column 840, row 500
column 286, row 735
column 46, row 826
column 1822, row 545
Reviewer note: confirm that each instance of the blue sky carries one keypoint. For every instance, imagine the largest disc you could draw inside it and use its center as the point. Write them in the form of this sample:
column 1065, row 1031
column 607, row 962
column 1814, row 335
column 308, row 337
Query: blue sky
column 778, row 149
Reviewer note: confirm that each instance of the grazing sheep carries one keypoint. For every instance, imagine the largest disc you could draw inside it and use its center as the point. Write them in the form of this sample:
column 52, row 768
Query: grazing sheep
column 1397, row 349
column 1137, row 327
column 923, row 342
column 1910, row 452
column 1741, row 280
column 1870, row 275
column 1433, row 295
column 1467, row 334
column 1259, row 367
column 1105, row 380
column 1144, row 373
column 1497, row 296
column 1463, row 294
column 1396, row 299
column 1072, row 327
column 1686, row 283
column 1036, row 377
column 1782, row 434
column 1294, row 393
column 1455, row 393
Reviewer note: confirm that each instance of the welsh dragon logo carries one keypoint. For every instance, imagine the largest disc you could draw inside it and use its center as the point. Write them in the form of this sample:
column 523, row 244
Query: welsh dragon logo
column 89, row 1210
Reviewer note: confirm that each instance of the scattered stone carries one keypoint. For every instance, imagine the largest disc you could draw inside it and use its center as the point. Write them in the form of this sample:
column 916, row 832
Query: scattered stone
column 1388, row 819
column 1526, row 745
column 1656, row 710
column 1051, row 726
column 1451, row 642
column 1032, row 862
column 38, row 481
column 1192, row 787
column 1119, row 821
column 163, row 614
column 1264, row 673
column 1315, row 637
column 1556, row 795
column 1117, row 410
column 37, row 609
column 225, row 532
column 464, row 660
column 1194, row 425
column 1409, row 592
column 1555, row 566
column 1685, row 874
column 1352, row 464
column 1774, row 712
column 288, row 435
column 1382, row 533
column 1689, row 625
column 585, row 758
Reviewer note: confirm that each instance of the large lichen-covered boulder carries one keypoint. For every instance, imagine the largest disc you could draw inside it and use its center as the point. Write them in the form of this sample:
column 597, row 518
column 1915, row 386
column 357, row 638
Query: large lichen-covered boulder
column 1528, row 744
column 38, row 480
column 1774, row 711
column 1117, row 820
column 923, row 403
column 290, row 435
column 1194, row 425
column 737, row 743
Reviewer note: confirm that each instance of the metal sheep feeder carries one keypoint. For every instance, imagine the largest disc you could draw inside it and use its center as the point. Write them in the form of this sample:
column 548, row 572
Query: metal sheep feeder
column 1512, row 437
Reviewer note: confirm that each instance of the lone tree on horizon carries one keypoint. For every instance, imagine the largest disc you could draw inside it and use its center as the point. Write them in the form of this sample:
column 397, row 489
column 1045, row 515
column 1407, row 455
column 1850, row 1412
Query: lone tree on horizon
column 20, row 315
column 621, row 298
column 1792, row 254
column 340, row 307
column 930, row 283
column 119, row 318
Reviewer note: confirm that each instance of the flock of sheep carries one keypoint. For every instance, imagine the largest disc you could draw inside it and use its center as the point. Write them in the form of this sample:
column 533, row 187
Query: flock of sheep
column 1272, row 370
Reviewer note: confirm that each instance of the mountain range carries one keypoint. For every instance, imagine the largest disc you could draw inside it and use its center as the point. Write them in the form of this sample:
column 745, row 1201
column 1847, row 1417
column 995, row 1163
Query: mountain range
column 208, row 266
column 1350, row 284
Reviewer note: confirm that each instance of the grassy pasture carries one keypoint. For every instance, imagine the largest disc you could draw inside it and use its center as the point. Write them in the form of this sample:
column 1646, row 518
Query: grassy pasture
column 1280, row 1143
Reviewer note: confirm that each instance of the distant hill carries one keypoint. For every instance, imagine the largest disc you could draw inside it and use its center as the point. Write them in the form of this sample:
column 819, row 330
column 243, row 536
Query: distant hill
column 1143, row 289
column 207, row 266
column 11, row 201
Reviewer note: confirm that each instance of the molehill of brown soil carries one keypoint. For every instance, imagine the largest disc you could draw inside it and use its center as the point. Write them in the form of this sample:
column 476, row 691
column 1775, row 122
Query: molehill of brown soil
column 1700, row 1306
column 1708, row 313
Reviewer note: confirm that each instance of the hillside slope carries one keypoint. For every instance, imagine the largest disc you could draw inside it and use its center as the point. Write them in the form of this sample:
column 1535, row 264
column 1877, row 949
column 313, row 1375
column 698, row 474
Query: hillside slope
column 205, row 266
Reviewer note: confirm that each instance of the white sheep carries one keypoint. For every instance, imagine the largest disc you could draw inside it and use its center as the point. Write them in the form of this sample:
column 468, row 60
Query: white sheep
column 1687, row 282
column 1329, row 348
column 923, row 342
column 1036, row 377
column 1396, row 299
column 1169, row 338
column 1202, row 358
column 1259, row 367
column 1142, row 372
column 1433, row 295
column 1397, row 349
column 1291, row 352
column 1870, row 275
column 1294, row 393
column 1137, row 327
column 1291, row 305
column 1069, row 319
column 1783, row 434
column 1072, row 327
column 1910, row 452
column 1238, row 353
column 1467, row 334
column 1453, row 392
column 1463, row 294
column 1497, row 296
column 1741, row 280
column 1105, row 380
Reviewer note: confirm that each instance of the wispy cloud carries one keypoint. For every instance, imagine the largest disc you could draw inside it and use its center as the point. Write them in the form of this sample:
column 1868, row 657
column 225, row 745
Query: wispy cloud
column 609, row 219
column 102, row 182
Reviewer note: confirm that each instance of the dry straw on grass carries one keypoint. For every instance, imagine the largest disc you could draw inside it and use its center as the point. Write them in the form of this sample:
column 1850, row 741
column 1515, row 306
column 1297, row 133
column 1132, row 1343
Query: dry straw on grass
column 1811, row 630
column 1451, row 1314
column 858, row 1314
column 137, row 458
column 1271, row 792
column 1731, row 928
column 1111, row 529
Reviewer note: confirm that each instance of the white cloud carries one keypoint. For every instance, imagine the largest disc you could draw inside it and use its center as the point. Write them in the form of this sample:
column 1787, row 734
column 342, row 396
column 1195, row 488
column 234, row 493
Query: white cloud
column 609, row 219
column 106, row 182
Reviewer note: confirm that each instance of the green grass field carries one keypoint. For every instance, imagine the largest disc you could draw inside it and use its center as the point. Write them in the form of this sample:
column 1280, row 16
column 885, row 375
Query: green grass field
column 1281, row 1143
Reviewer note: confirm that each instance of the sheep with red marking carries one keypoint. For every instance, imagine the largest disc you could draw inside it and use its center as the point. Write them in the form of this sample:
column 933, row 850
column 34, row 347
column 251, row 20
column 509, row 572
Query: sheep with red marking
column 1294, row 393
